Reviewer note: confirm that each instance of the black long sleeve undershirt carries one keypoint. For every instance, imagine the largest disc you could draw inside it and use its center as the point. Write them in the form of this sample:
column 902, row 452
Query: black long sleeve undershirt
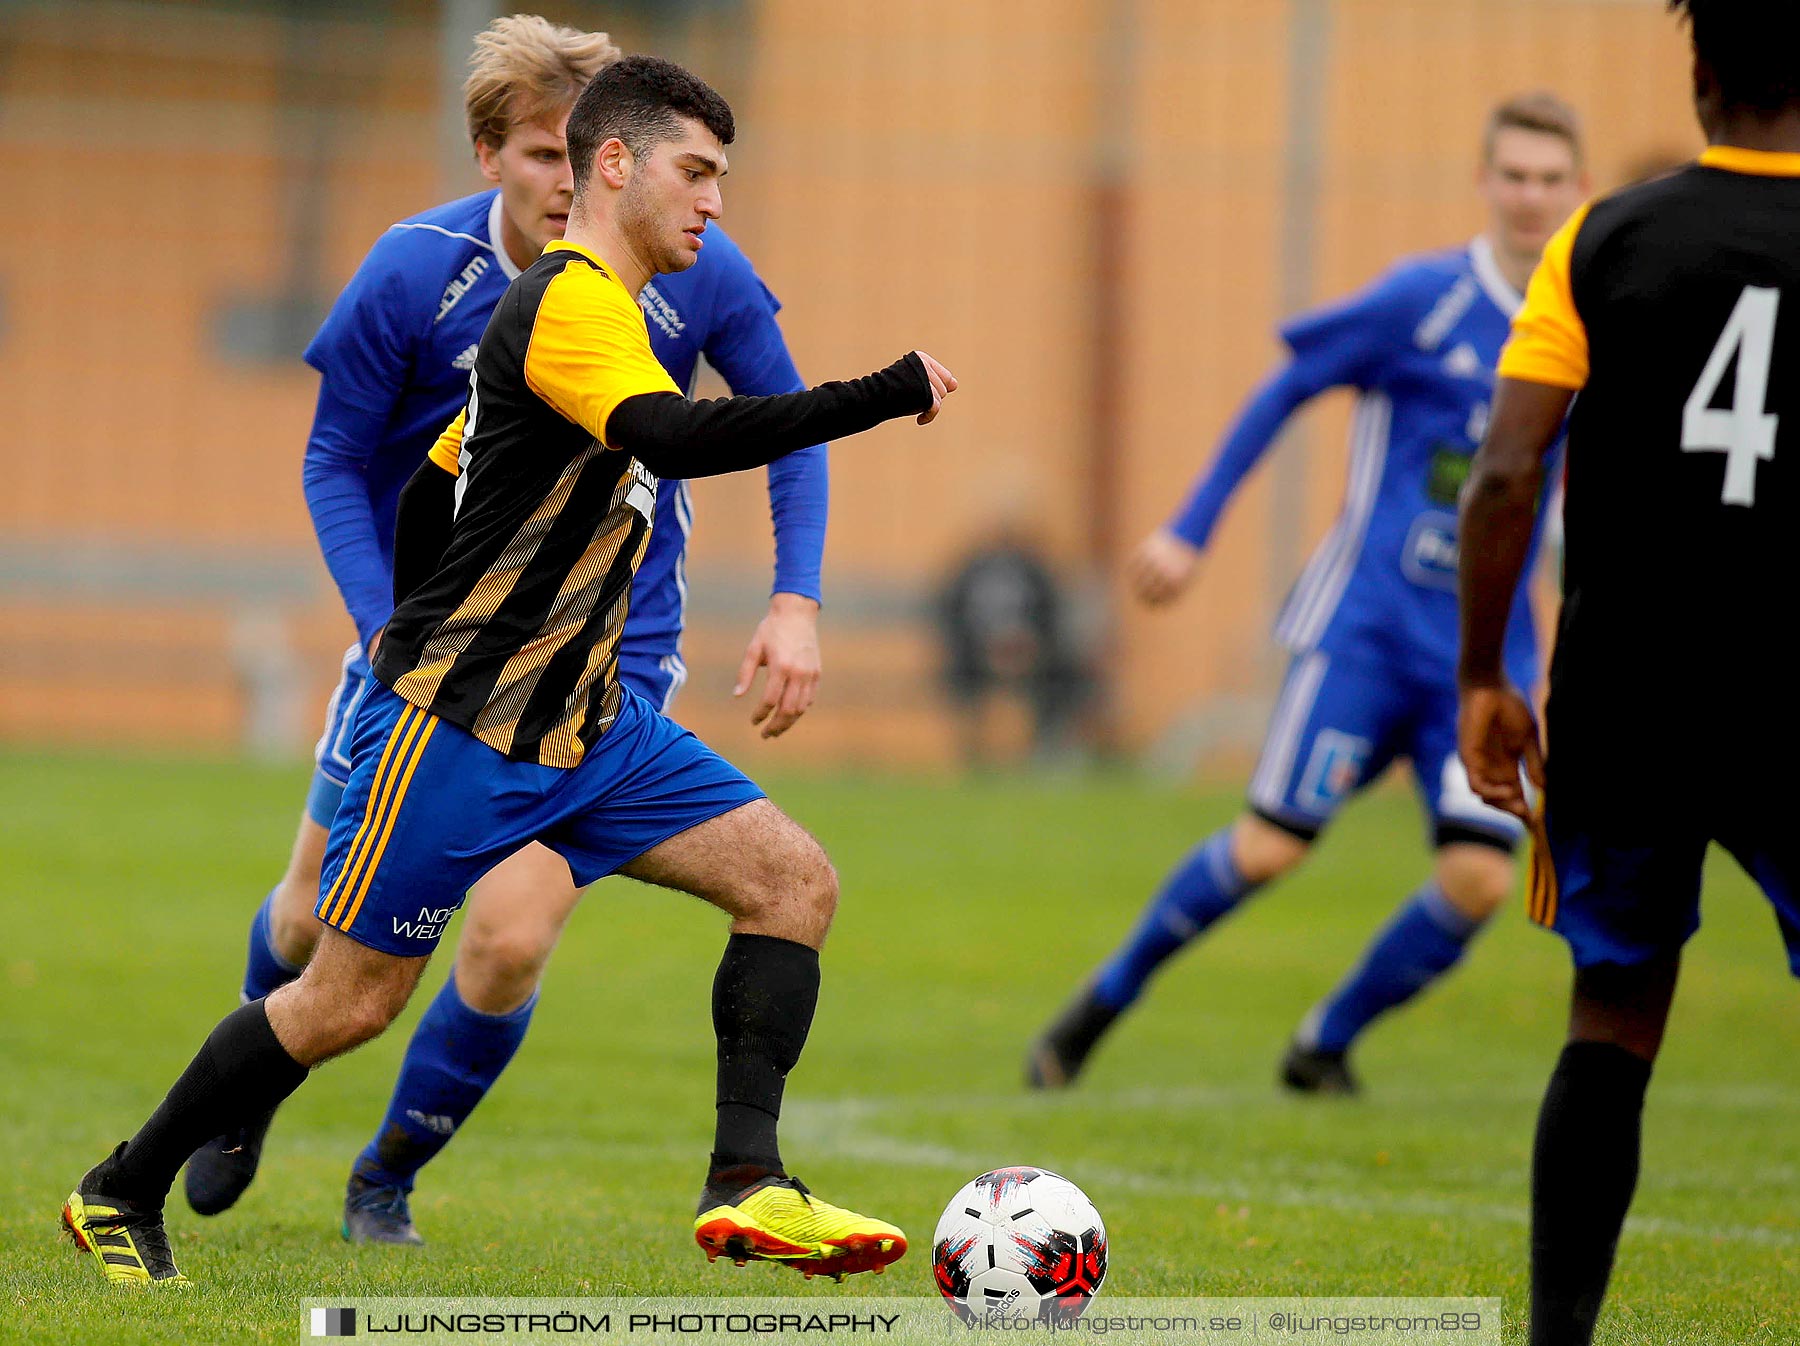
column 422, row 524
column 676, row 438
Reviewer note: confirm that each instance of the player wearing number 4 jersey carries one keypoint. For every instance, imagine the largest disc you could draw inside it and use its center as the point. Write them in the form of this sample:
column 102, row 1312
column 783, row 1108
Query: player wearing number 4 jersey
column 1673, row 308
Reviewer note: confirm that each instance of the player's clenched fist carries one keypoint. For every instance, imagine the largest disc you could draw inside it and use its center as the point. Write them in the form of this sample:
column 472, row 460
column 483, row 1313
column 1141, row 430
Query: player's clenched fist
column 943, row 383
column 1161, row 567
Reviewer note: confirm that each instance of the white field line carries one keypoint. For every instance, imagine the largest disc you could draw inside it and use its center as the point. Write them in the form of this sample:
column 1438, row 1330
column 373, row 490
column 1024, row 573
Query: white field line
column 841, row 1129
column 1733, row 1098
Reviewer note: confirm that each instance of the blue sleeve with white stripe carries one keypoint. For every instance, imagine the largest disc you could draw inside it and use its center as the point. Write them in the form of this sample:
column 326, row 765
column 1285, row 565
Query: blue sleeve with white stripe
column 748, row 350
column 363, row 353
column 1339, row 345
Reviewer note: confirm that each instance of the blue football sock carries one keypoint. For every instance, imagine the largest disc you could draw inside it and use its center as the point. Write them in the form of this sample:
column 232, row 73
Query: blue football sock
column 455, row 1055
column 264, row 969
column 1423, row 941
column 1202, row 888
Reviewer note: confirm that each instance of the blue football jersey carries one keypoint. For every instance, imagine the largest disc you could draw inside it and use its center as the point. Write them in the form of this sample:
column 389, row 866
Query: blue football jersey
column 395, row 354
column 720, row 308
column 1420, row 346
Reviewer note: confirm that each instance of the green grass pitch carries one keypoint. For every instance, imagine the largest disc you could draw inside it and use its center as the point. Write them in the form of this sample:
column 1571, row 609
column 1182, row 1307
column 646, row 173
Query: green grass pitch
column 968, row 913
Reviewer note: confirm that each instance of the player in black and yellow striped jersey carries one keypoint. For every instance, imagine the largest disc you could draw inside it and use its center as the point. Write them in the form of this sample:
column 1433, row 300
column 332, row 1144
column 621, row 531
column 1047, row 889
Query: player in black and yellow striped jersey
column 514, row 635
column 1673, row 308
column 499, row 720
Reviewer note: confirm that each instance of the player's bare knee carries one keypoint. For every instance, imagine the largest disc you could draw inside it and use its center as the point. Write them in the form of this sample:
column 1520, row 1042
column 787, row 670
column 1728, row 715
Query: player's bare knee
column 293, row 929
column 347, row 996
column 1626, row 1005
column 316, row 1023
column 499, row 965
column 817, row 881
column 785, row 863
column 798, row 883
column 371, row 1004
column 792, row 890
column 1261, row 851
column 367, row 1018
column 1476, row 879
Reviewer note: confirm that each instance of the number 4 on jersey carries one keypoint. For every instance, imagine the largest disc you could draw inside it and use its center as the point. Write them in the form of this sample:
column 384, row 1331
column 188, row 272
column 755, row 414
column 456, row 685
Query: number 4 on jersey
column 1745, row 431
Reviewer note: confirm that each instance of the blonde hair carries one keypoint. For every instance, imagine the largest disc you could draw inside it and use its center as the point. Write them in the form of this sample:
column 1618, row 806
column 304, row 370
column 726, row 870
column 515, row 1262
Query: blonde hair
column 1542, row 112
column 525, row 68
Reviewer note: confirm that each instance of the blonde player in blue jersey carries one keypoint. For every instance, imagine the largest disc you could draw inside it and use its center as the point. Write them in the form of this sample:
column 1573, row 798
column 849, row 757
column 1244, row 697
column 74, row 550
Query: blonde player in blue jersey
column 1372, row 623
column 394, row 357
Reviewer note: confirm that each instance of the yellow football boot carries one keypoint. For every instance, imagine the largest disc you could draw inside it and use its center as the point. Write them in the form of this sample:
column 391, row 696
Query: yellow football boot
column 131, row 1246
column 778, row 1220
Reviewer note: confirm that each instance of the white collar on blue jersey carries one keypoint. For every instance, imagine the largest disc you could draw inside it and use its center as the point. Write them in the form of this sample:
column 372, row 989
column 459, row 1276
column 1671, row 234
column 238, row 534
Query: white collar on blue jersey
column 498, row 244
column 1487, row 271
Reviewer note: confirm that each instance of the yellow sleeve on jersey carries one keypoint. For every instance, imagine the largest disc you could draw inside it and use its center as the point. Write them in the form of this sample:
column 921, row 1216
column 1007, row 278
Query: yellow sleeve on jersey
column 1549, row 342
column 447, row 452
column 589, row 350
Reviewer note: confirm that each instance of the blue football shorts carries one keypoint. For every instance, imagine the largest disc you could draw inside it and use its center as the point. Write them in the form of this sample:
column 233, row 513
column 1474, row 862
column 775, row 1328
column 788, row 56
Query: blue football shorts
column 430, row 808
column 1340, row 722
column 655, row 677
column 1625, row 889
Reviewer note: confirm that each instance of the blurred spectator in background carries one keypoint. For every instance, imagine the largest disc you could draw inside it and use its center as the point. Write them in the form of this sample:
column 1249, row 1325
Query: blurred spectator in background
column 1008, row 630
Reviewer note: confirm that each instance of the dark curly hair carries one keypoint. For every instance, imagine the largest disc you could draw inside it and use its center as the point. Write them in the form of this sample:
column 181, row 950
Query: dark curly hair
column 1750, row 47
column 641, row 100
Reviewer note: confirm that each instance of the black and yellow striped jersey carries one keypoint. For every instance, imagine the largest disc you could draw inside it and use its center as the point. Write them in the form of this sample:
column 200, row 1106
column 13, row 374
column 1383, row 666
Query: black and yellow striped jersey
column 515, row 635
column 1673, row 308
column 509, row 627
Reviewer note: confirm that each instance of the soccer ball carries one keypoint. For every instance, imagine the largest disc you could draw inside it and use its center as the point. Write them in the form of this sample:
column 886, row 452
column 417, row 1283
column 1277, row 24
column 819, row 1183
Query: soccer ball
column 1019, row 1243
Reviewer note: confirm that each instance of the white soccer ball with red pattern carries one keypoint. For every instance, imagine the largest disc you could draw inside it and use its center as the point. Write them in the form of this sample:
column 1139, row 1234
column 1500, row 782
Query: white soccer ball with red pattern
column 1019, row 1243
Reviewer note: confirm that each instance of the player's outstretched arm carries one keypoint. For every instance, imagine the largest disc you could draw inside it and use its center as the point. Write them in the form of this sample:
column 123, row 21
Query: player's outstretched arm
column 674, row 437
column 1344, row 344
column 1497, row 730
column 1165, row 562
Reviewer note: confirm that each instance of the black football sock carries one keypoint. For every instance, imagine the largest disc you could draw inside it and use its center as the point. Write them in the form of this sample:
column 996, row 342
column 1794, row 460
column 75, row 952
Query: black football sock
column 241, row 1071
column 763, row 1001
column 1583, row 1172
